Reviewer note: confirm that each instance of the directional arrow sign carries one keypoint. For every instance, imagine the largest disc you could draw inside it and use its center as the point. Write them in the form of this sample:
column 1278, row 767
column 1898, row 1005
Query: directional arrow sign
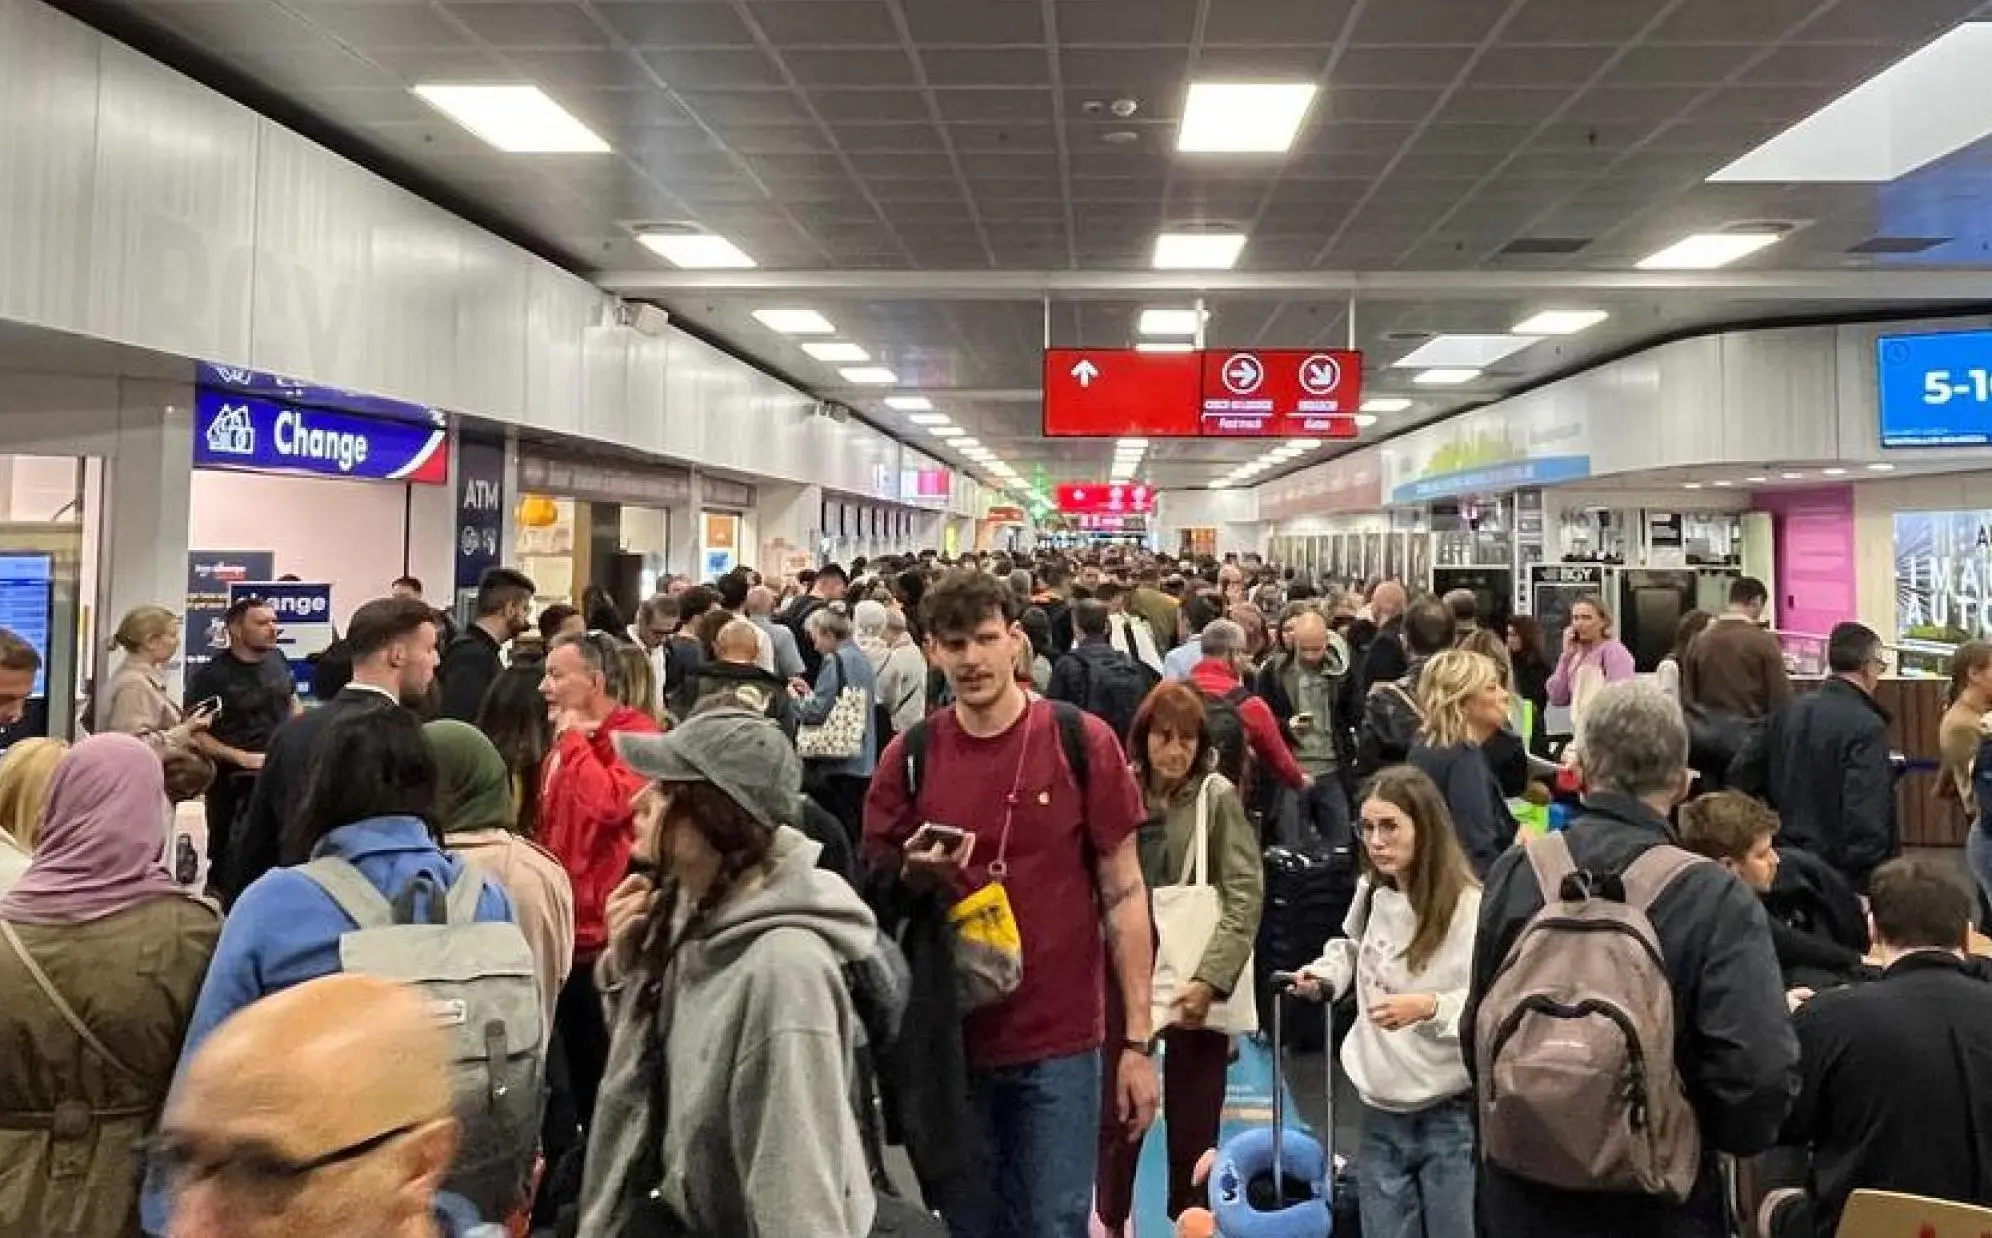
column 1085, row 372
column 1108, row 392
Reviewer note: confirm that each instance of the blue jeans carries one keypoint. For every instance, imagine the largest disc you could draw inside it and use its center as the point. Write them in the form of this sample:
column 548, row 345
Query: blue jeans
column 1978, row 852
column 1040, row 1123
column 1415, row 1174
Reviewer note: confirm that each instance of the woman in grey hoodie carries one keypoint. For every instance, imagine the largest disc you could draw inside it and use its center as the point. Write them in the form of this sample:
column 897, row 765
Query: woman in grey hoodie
column 726, row 1108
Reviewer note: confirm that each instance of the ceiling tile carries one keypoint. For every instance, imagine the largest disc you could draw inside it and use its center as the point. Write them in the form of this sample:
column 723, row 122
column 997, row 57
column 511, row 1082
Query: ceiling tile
column 623, row 110
column 601, row 69
column 1393, row 106
column 1452, row 21
column 1277, row 22
column 825, row 23
column 993, row 106
column 310, row 69
column 1539, row 66
column 1015, row 135
column 1684, row 64
column 715, row 69
column 1613, row 104
column 903, row 166
column 1019, row 66
column 362, row 25
column 1905, row 23
column 1141, row 71
column 1399, row 66
column 1512, row 105
column 907, row 138
column 1578, row 21
column 1838, row 65
column 1301, row 62
column 233, row 25
column 975, row 22
column 530, row 25
column 1104, row 23
column 880, row 106
column 682, row 23
column 850, row 67
column 746, row 107
column 1716, row 21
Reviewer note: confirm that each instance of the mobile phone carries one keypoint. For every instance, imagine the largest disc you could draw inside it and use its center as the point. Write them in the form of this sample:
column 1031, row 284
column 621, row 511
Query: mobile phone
column 955, row 843
column 1303, row 720
column 211, row 707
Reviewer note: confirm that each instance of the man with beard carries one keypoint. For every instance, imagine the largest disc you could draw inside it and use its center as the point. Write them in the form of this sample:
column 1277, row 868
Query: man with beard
column 473, row 660
column 393, row 642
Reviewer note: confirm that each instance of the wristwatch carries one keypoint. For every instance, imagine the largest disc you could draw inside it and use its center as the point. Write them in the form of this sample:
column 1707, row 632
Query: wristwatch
column 1145, row 1048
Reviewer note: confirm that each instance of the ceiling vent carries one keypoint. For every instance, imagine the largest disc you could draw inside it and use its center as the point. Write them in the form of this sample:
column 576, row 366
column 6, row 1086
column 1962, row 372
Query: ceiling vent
column 1900, row 244
column 1534, row 246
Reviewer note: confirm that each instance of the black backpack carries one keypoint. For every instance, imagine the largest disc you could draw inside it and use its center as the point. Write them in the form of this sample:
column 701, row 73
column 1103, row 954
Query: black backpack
column 1227, row 733
column 1115, row 689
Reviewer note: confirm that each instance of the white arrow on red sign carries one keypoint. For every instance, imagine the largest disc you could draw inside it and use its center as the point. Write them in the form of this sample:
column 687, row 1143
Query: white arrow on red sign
column 1085, row 372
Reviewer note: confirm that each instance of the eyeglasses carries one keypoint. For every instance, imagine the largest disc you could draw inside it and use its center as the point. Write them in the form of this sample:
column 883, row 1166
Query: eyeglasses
column 257, row 1176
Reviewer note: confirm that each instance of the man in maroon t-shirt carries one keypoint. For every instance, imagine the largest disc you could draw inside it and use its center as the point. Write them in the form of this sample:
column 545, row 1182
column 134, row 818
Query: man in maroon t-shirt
column 995, row 766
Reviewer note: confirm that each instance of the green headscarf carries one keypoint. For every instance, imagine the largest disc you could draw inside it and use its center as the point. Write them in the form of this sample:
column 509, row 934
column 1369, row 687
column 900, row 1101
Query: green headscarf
column 474, row 789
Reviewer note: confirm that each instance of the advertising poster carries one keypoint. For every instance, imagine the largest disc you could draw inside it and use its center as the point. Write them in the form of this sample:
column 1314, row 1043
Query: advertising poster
column 304, row 619
column 209, row 574
column 1943, row 583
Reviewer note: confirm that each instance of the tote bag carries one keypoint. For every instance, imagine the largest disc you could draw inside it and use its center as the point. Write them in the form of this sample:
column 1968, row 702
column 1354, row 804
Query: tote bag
column 841, row 734
column 1186, row 918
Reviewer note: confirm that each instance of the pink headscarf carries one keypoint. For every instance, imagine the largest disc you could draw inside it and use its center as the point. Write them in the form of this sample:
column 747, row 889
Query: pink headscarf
column 102, row 837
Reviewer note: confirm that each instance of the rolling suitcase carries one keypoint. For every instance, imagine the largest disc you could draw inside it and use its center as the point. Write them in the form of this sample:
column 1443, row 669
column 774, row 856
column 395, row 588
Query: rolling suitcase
column 1308, row 893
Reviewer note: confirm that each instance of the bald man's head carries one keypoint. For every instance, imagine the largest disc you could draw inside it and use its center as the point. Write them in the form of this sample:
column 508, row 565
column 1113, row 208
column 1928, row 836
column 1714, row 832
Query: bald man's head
column 320, row 1110
column 1387, row 601
column 738, row 642
column 760, row 600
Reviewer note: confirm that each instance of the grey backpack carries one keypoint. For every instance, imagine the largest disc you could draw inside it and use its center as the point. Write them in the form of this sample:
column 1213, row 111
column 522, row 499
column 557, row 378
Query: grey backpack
column 480, row 979
column 1574, row 1039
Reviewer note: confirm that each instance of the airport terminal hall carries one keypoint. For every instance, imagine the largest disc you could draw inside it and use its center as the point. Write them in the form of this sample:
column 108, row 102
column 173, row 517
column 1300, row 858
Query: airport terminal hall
column 995, row 618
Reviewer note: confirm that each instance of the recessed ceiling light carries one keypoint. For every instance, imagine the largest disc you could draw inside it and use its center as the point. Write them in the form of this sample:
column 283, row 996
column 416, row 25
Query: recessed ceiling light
column 1880, row 467
column 1221, row 483
column 696, row 251
column 1691, row 485
column 1722, row 485
column 1198, row 251
column 929, row 419
column 1923, row 107
column 1705, row 251
column 1756, row 481
column 1243, row 118
column 1791, row 476
column 870, row 376
column 836, row 352
column 1132, row 442
column 1463, row 351
column 795, row 321
column 1386, row 404
column 1169, row 322
column 950, row 432
column 1365, row 420
column 1446, row 378
column 1560, row 322
column 519, row 120
column 910, row 404
column 965, row 442
column 1834, row 472
column 1165, row 346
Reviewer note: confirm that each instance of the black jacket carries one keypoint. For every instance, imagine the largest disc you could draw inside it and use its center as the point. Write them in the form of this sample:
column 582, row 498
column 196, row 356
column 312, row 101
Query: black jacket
column 471, row 664
column 1896, row 1086
column 1480, row 813
column 1817, row 923
column 1823, row 764
column 1733, row 1040
column 1390, row 720
column 749, row 681
column 280, row 788
column 1385, row 659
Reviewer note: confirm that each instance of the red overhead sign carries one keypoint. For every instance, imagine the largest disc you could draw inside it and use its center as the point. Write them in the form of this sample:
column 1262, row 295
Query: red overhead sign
column 1104, row 392
column 1250, row 393
column 1100, row 498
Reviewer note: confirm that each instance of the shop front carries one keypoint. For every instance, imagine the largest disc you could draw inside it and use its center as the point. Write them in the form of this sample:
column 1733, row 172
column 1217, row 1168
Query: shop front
column 623, row 526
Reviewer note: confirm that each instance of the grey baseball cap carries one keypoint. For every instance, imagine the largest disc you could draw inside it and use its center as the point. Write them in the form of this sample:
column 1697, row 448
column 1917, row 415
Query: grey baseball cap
column 741, row 752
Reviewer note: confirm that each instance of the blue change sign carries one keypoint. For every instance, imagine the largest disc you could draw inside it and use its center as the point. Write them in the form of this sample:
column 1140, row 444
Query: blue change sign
column 286, row 390
column 1936, row 390
column 304, row 619
column 243, row 432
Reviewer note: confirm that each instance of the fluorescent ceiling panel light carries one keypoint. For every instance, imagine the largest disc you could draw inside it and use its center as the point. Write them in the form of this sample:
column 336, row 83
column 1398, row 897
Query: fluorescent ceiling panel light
column 696, row 251
column 1219, row 484
column 929, row 419
column 795, row 321
column 1386, row 404
column 1722, row 485
column 1691, row 485
column 1132, row 442
column 1791, row 476
column 1251, row 118
column 1927, row 105
column 1881, row 468
column 1169, row 322
column 519, row 120
column 1705, row 251
column 1834, row 472
column 965, row 442
column 870, row 376
column 836, row 352
column 1445, row 378
column 1561, row 322
column 1756, row 481
column 950, row 433
column 1365, row 420
column 1304, row 444
column 1463, row 351
column 1165, row 346
column 1198, row 251
column 910, row 404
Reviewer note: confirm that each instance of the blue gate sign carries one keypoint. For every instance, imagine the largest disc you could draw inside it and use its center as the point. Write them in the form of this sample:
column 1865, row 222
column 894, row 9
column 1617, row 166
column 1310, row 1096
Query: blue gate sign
column 262, row 436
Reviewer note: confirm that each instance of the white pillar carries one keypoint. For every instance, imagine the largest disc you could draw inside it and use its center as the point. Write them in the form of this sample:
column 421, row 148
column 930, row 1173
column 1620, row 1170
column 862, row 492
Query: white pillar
column 148, row 481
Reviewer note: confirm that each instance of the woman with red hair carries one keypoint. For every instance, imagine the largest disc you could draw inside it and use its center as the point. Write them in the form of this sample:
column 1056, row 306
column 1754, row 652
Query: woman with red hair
column 1191, row 807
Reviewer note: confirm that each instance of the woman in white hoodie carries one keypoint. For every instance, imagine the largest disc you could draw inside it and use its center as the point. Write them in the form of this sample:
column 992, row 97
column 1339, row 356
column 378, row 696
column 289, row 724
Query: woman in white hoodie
column 1409, row 952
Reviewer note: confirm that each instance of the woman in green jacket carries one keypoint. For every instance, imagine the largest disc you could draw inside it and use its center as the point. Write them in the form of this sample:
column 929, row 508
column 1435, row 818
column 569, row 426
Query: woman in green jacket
column 1174, row 761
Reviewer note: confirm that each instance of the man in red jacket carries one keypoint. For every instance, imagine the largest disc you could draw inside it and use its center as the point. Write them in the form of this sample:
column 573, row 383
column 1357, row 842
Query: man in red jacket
column 587, row 822
column 1217, row 677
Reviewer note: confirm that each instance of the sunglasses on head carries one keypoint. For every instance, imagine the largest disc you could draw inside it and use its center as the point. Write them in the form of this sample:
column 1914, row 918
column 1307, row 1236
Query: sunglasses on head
column 258, row 1176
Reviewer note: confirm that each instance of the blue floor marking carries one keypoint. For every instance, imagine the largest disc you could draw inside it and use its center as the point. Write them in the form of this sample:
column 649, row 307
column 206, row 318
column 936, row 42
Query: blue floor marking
column 1248, row 1102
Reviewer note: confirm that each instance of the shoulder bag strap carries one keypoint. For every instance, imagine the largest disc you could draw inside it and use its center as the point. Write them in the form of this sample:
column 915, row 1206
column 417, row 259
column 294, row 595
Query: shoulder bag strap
column 1196, row 861
column 1549, row 855
column 63, row 1008
column 1647, row 878
column 349, row 888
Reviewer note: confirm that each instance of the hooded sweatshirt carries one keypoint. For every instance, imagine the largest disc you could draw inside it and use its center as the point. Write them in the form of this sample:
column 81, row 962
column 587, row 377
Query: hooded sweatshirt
column 758, row 1137
column 758, row 688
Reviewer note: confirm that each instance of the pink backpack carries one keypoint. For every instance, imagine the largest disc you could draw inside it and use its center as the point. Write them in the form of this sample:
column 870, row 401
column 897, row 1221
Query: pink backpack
column 1574, row 1040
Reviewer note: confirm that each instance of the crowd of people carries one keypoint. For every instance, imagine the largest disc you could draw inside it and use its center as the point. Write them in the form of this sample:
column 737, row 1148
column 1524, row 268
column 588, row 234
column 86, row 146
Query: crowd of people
column 670, row 918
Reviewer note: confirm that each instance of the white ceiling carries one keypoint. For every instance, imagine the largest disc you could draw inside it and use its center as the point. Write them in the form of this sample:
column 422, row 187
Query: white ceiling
column 947, row 182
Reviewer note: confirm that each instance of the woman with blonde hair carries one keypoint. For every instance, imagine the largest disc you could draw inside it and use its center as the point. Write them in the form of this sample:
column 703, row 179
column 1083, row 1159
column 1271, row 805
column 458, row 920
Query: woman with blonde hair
column 24, row 777
column 1462, row 703
column 136, row 701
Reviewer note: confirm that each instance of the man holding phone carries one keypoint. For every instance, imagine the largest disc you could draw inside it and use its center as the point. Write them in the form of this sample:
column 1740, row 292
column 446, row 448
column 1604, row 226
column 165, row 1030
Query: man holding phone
column 1000, row 801
column 247, row 691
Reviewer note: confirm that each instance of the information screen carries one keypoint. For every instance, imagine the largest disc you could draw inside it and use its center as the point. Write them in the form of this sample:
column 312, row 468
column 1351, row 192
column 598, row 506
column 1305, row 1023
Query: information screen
column 26, row 597
column 1935, row 390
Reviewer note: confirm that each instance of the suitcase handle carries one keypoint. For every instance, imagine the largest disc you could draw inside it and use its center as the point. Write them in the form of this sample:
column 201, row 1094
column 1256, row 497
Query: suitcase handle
column 1284, row 984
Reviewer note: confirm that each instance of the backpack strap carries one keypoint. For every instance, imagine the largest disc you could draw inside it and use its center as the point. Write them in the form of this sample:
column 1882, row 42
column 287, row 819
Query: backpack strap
column 68, row 1012
column 460, row 905
column 1647, row 878
column 1072, row 737
column 916, row 760
column 1549, row 855
column 349, row 888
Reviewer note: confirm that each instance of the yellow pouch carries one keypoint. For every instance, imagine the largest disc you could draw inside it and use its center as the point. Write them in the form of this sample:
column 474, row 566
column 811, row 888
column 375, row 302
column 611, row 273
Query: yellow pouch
column 988, row 948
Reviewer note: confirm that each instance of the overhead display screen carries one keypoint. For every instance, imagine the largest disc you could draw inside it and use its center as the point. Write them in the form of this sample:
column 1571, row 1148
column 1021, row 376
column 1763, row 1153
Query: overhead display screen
column 1099, row 498
column 1237, row 393
column 1935, row 390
